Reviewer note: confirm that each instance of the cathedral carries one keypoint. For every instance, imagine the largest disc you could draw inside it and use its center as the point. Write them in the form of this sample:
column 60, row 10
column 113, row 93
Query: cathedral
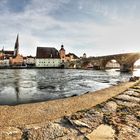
column 11, row 58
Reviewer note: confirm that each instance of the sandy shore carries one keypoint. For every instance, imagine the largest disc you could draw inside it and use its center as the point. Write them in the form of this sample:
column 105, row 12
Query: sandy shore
column 80, row 117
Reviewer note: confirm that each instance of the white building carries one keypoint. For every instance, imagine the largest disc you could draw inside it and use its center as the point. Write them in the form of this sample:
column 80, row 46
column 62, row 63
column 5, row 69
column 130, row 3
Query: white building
column 47, row 57
column 30, row 60
column 4, row 62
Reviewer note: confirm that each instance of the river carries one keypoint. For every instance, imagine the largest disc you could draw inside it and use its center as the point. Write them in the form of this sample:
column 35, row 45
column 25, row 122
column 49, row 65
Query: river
column 18, row 86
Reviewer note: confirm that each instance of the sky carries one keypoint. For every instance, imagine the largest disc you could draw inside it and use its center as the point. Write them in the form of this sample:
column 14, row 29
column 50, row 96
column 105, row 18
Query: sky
column 94, row 27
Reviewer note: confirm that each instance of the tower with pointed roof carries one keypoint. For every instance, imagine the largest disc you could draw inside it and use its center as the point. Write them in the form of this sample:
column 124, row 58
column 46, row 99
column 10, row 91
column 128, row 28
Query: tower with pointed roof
column 16, row 49
column 16, row 59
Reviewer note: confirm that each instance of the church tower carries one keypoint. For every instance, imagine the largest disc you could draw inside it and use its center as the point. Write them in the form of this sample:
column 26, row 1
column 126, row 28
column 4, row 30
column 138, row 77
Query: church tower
column 16, row 49
column 84, row 55
column 62, row 53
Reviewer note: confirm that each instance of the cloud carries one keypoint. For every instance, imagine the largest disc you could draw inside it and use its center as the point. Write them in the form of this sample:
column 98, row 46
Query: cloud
column 95, row 27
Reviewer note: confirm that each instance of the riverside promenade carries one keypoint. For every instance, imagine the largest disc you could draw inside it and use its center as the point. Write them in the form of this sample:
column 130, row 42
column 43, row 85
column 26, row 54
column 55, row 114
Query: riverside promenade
column 109, row 114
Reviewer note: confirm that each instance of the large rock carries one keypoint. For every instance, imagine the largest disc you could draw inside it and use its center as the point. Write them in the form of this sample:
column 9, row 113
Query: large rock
column 128, row 98
column 110, row 106
column 47, row 132
column 132, row 93
column 85, row 121
column 126, row 103
column 10, row 133
column 103, row 132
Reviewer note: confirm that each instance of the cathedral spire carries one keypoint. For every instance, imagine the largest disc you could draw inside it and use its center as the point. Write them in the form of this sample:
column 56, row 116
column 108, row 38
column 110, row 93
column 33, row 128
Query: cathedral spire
column 3, row 49
column 16, row 49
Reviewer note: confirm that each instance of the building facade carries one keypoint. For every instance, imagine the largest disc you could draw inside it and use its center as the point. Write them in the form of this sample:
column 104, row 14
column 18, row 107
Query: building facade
column 62, row 54
column 71, row 57
column 67, row 57
column 84, row 55
column 4, row 63
column 30, row 61
column 47, row 57
column 16, row 59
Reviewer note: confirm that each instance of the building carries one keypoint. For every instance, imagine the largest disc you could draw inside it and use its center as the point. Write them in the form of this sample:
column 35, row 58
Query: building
column 62, row 54
column 67, row 57
column 4, row 63
column 16, row 59
column 47, row 57
column 30, row 60
column 71, row 57
column 8, row 57
column 84, row 55
column 4, row 57
column 6, row 54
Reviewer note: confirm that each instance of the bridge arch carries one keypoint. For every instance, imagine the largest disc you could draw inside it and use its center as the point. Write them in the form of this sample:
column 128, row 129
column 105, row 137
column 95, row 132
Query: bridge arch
column 86, row 64
column 126, row 61
column 137, row 63
column 112, row 64
column 136, row 71
column 72, row 65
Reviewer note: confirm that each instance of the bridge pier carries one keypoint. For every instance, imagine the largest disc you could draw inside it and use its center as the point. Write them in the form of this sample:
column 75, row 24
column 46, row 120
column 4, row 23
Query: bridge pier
column 126, row 68
column 102, row 68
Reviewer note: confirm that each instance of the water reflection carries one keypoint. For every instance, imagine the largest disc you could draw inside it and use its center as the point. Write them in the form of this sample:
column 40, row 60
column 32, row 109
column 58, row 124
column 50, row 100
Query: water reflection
column 33, row 85
column 136, row 72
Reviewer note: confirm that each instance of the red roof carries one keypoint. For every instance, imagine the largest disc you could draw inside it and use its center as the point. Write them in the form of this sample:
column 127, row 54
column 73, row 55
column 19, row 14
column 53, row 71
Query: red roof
column 72, row 54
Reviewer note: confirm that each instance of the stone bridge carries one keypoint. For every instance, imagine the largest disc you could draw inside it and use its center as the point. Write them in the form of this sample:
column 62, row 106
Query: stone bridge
column 125, row 60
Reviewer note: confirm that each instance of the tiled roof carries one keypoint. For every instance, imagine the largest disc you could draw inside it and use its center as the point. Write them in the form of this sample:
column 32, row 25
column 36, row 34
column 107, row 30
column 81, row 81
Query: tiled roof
column 47, row 52
column 30, row 56
column 9, row 52
column 74, row 56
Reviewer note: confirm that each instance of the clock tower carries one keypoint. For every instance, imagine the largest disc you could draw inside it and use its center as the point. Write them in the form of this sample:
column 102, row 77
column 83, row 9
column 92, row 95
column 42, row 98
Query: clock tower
column 62, row 53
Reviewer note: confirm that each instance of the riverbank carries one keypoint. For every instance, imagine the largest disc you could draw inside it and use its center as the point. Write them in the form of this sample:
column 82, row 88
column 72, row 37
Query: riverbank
column 30, row 67
column 80, row 117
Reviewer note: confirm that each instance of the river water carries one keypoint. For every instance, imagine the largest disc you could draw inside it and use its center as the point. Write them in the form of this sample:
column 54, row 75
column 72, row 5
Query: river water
column 19, row 86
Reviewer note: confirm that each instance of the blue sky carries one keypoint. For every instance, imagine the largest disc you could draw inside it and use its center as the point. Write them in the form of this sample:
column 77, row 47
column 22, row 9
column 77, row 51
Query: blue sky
column 94, row 27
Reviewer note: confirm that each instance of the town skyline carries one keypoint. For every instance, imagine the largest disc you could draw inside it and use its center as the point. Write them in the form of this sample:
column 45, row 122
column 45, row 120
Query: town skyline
column 58, row 48
column 94, row 27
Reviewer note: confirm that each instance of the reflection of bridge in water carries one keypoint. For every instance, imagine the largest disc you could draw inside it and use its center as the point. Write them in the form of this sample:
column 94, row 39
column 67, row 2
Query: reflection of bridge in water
column 125, row 60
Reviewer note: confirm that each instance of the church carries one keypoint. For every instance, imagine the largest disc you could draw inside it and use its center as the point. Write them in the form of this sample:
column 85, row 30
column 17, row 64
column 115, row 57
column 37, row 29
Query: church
column 11, row 58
